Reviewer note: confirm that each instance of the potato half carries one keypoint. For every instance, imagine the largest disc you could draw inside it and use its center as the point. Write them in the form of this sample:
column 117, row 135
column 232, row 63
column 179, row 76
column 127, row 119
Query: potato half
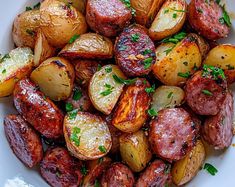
column 13, row 67
column 87, row 136
column 89, row 45
column 55, row 78
column 169, row 20
column 135, row 150
column 103, row 90
column 184, row 170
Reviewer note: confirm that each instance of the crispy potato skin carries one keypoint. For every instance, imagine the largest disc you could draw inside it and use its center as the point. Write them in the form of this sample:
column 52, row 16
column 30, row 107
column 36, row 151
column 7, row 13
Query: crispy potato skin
column 25, row 28
column 89, row 46
column 130, row 113
column 23, row 140
column 135, row 150
column 38, row 110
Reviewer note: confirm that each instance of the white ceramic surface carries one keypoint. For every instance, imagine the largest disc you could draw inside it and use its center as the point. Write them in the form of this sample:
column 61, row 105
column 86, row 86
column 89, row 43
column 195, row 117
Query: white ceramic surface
column 11, row 169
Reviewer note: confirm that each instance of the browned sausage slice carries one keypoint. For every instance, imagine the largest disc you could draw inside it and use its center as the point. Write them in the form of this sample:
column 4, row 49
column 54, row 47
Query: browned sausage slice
column 135, row 51
column 218, row 130
column 108, row 17
column 172, row 134
column 157, row 174
column 23, row 140
column 205, row 95
column 59, row 169
column 205, row 17
column 38, row 110
column 118, row 175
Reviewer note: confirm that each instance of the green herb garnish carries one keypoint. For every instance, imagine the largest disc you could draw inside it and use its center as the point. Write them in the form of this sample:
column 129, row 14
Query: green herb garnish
column 175, row 38
column 28, row 8
column 37, row 6
column 73, row 38
column 68, row 107
column 210, row 169
column 174, row 15
column 123, row 81
column 99, row 67
column 4, row 57
column 169, row 95
column 165, row 11
column 4, row 71
column 146, row 51
column 177, row 10
column 147, row 62
column 215, row 72
column 167, row 51
column 225, row 17
column 152, row 112
column 77, row 95
column 73, row 114
column 74, row 136
column 151, row 89
column 102, row 149
column 135, row 37
column 108, row 90
column 108, row 69
column 128, row 5
column 84, row 170
column 207, row 92
column 97, row 183
column 184, row 75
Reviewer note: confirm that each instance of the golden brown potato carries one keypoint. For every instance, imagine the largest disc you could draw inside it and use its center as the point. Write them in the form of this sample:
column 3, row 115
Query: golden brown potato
column 60, row 22
column 135, row 150
column 169, row 20
column 146, row 10
column 80, row 5
column 130, row 114
column 13, row 67
column 103, row 90
column 87, row 136
column 25, row 28
column 95, row 170
column 42, row 49
column 167, row 97
column 89, row 45
column 175, row 64
column 184, row 170
column 55, row 78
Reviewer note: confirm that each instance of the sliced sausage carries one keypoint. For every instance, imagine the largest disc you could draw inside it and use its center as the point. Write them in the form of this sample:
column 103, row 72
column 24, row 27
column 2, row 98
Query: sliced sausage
column 23, row 140
column 108, row 17
column 204, row 94
column 38, row 110
column 135, row 51
column 117, row 175
column 218, row 130
column 172, row 134
column 59, row 169
column 204, row 17
column 157, row 174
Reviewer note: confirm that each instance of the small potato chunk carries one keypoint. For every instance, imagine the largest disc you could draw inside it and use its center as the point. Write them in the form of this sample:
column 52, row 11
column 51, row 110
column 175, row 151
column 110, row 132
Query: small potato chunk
column 130, row 113
column 60, row 22
column 55, row 77
column 25, row 27
column 14, row 66
column 135, row 150
column 89, row 45
column 42, row 49
column 146, row 10
column 178, row 62
column 184, row 170
column 169, row 19
column 103, row 90
column 167, row 97
column 80, row 5
column 87, row 136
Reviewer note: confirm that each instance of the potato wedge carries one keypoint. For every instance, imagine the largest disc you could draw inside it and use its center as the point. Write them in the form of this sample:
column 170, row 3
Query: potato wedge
column 87, row 136
column 146, row 10
column 135, row 150
column 25, row 28
column 130, row 114
column 80, row 5
column 60, row 22
column 14, row 66
column 169, row 20
column 89, row 45
column 103, row 90
column 167, row 97
column 184, row 170
column 174, row 65
column 55, row 78
column 42, row 49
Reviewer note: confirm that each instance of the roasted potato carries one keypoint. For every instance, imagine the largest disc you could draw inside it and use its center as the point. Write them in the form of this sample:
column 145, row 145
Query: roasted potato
column 130, row 114
column 60, row 22
column 25, row 28
column 14, row 66
column 95, row 170
column 167, row 97
column 80, row 5
column 146, row 10
column 87, row 136
column 42, row 49
column 55, row 77
column 89, row 45
column 169, row 19
column 184, row 170
column 135, row 150
column 103, row 90
column 175, row 64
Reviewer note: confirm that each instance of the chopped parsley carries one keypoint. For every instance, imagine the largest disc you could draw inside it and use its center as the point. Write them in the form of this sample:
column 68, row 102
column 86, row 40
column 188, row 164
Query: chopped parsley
column 166, row 11
column 148, row 62
column 151, row 89
column 73, row 114
column 135, row 37
column 215, row 72
column 225, row 17
column 123, row 81
column 207, row 92
column 4, row 71
column 4, row 57
column 210, row 169
column 152, row 112
column 100, row 160
column 184, row 75
column 169, row 95
column 128, row 5
column 108, row 90
column 97, row 183
column 175, row 38
column 30, row 32
column 177, row 10
column 68, row 107
column 167, row 169
column 167, row 51
column 84, row 170
column 146, row 51
column 73, row 38
column 37, row 6
column 108, row 69
column 77, row 95
column 99, row 67
column 102, row 149
column 28, row 8
column 74, row 136
column 174, row 15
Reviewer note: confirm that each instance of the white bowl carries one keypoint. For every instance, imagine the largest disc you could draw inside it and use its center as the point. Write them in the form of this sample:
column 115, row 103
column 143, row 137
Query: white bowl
column 13, row 172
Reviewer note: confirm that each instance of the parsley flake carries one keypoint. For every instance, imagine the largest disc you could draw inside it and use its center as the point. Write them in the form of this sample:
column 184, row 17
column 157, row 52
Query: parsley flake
column 151, row 89
column 73, row 38
column 152, row 112
column 102, row 149
column 108, row 69
column 99, row 67
column 68, row 107
column 146, row 51
column 175, row 38
column 215, row 72
column 148, row 62
column 174, row 15
column 210, row 169
column 73, row 114
column 207, row 92
column 4, row 71
column 77, row 95
column 123, row 81
column 135, row 37
column 169, row 95
column 74, row 136
column 97, row 183
column 184, row 75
